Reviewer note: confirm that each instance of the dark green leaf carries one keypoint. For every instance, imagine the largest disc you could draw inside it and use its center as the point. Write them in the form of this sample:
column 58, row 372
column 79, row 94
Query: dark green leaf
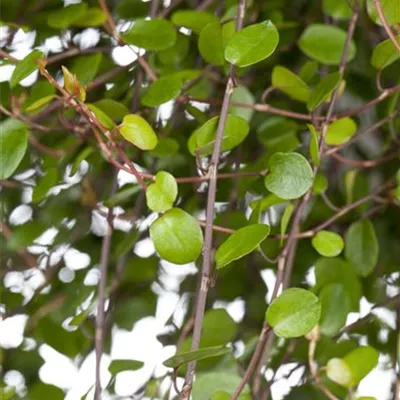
column 323, row 90
column 117, row 366
column 211, row 46
column 162, row 193
column 194, row 20
column 340, row 131
column 64, row 17
column 162, row 90
column 385, row 53
column 290, row 84
column 25, row 67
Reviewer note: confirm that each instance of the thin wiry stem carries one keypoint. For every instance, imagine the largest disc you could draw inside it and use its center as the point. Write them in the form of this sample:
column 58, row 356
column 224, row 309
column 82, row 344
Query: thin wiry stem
column 385, row 24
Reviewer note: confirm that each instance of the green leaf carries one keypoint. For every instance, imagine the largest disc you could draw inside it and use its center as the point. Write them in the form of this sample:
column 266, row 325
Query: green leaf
column 325, row 44
column 338, row 371
column 25, row 67
column 131, row 9
column 161, row 195
column 240, row 243
column 289, row 83
column 162, row 90
column 45, row 183
column 285, row 220
column 308, row 71
column 320, row 184
column 275, row 129
column 177, row 237
column 117, row 366
column 390, row 8
column 13, row 145
column 177, row 53
column 102, row 117
column 24, row 235
column 137, row 130
column 290, row 175
column 337, row 9
column 340, row 131
column 242, row 95
column 211, row 46
column 385, row 54
column 196, row 355
column 194, row 20
column 294, row 313
column 114, row 109
column 335, row 306
column 86, row 67
column 154, row 34
column 93, row 16
column 362, row 248
column 252, row 44
column 202, row 139
column 124, row 195
column 328, row 244
column 41, row 102
column 64, row 17
column 165, row 147
column 314, row 145
column 323, row 90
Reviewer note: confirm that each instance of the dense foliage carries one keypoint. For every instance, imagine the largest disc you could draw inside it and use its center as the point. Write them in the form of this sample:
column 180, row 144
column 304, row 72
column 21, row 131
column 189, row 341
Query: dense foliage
column 242, row 139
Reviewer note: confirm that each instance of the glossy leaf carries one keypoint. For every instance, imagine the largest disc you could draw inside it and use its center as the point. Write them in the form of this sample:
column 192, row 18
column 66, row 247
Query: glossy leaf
column 162, row 193
column 362, row 248
column 194, row 20
column 211, row 46
column 289, row 83
column 162, row 90
column 177, row 237
column 328, row 244
column 252, row 44
column 323, row 90
column 137, row 130
column 102, row 117
column 294, row 313
column 385, row 54
column 117, row 366
column 25, row 67
column 241, row 243
column 290, row 175
column 340, row 131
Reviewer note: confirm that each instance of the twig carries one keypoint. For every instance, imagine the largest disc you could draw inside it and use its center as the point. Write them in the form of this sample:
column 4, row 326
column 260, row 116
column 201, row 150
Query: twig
column 385, row 24
column 366, row 163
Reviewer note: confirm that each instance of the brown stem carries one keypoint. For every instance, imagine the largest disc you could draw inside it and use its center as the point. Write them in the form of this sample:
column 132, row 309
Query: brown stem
column 385, row 24
column 366, row 163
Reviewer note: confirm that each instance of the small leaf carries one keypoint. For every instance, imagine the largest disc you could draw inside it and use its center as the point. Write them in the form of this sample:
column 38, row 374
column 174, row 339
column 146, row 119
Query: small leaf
column 338, row 9
column 154, row 34
column 390, row 9
column 211, row 46
column 93, row 16
column 103, row 118
column 328, row 244
column 161, row 195
column 41, row 102
column 196, row 355
column 162, row 90
column 338, row 371
column 117, row 366
column 177, row 237
column 83, row 155
column 314, row 145
column 340, row 131
column 290, row 175
column 72, row 85
column 294, row 313
column 24, row 235
column 64, row 17
column 323, row 90
column 252, row 44
column 289, row 83
column 362, row 247
column 242, row 95
column 320, row 184
column 385, row 54
column 114, row 109
column 325, row 43
column 13, row 145
column 194, row 20
column 202, row 139
column 137, row 130
column 25, row 67
column 240, row 243
column 285, row 220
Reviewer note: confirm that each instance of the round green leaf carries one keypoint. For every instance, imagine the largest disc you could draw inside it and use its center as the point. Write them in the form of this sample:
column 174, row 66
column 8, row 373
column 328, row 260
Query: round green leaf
column 390, row 8
column 362, row 248
column 13, row 145
column 194, row 20
column 117, row 366
column 252, row 44
column 323, row 90
column 25, row 67
column 325, row 43
column 93, row 16
column 290, row 175
column 137, row 130
column 338, row 371
column 320, row 184
column 242, row 95
column 289, row 83
column 340, row 131
column 240, row 243
column 328, row 244
column 64, row 17
column 161, row 194
column 177, row 53
column 162, row 90
column 202, row 139
column 294, row 313
column 211, row 45
column 103, row 118
column 385, row 53
column 154, row 34
column 177, row 237
column 337, row 9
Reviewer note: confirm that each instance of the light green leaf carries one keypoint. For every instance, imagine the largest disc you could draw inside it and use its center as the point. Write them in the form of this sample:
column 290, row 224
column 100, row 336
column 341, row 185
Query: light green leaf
column 242, row 95
column 161, row 194
column 337, row 9
column 117, row 366
column 155, row 34
column 83, row 155
column 385, row 54
column 64, row 17
column 194, row 20
column 85, row 67
column 93, row 16
column 137, row 130
column 252, row 44
column 320, row 184
column 325, row 43
column 166, row 147
column 162, row 90
column 290, row 175
column 290, row 84
column 308, row 71
column 196, row 355
column 314, row 145
column 202, row 139
column 338, row 371
column 340, row 131
column 13, row 145
column 39, row 103
column 25, row 67
column 362, row 248
column 323, row 90
column 211, row 46
column 294, row 313
column 177, row 237
column 391, row 9
column 287, row 214
column 361, row 362
column 103, row 118
column 328, row 244
column 241, row 243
